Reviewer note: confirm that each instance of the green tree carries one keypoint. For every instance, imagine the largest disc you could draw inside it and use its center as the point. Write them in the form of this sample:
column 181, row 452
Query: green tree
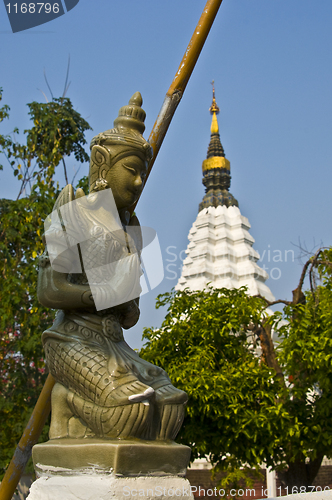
column 250, row 402
column 57, row 131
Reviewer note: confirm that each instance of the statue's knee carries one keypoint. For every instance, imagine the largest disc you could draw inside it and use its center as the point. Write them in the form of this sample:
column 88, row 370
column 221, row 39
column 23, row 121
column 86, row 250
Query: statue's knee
column 171, row 418
column 60, row 413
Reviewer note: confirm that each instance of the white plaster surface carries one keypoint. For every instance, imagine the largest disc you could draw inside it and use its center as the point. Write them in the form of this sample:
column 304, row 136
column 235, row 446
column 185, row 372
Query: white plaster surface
column 220, row 252
column 94, row 486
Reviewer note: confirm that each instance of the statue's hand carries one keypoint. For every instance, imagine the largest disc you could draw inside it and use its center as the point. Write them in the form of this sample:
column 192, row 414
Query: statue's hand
column 129, row 314
column 144, row 397
column 87, row 298
column 79, row 193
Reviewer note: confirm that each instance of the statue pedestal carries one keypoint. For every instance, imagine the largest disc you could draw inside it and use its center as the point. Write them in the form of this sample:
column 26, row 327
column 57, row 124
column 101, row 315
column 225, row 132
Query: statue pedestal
column 94, row 486
column 96, row 469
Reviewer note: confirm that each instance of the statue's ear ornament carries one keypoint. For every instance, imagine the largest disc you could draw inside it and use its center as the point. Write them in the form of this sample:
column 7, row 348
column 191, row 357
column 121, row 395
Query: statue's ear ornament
column 99, row 155
column 101, row 184
column 98, row 168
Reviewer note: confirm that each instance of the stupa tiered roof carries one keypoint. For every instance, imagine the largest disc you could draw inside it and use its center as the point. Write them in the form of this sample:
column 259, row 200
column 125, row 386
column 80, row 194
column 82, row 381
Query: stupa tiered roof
column 220, row 251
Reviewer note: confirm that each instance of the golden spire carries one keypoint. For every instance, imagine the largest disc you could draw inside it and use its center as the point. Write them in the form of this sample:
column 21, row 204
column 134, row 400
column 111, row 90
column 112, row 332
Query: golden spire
column 214, row 110
column 216, row 168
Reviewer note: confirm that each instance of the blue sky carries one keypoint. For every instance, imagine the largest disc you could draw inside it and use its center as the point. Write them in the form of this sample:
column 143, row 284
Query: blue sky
column 271, row 62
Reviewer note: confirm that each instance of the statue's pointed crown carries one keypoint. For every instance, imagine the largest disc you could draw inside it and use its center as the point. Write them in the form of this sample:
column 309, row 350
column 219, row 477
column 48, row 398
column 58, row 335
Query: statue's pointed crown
column 128, row 128
column 132, row 116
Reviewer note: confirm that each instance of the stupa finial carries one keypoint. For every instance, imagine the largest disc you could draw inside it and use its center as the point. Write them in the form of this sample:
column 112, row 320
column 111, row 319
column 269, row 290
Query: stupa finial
column 216, row 168
column 214, row 106
column 214, row 110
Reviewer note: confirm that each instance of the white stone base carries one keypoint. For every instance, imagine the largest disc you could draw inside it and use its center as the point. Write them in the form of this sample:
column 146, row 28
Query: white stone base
column 94, row 486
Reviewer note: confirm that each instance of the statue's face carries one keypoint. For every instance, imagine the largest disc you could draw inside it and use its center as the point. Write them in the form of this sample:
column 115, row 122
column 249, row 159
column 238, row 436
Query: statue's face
column 126, row 178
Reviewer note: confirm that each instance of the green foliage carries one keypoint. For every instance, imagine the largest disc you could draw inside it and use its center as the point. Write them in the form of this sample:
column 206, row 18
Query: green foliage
column 22, row 369
column 84, row 184
column 233, row 397
column 241, row 413
column 65, row 132
column 57, row 131
column 4, row 113
column 237, row 478
column 306, row 356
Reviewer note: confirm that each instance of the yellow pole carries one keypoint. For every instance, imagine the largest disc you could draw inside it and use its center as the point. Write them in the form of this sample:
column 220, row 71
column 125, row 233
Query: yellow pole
column 27, row 441
column 171, row 101
column 180, row 80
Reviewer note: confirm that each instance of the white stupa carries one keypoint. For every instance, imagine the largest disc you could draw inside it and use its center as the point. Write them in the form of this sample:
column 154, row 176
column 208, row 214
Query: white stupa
column 220, row 251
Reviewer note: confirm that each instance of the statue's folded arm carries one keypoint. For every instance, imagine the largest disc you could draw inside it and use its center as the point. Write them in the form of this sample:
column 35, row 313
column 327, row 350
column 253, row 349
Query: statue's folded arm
column 55, row 291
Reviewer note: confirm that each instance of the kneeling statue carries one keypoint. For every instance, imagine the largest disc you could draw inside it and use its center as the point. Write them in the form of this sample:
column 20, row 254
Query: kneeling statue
column 103, row 388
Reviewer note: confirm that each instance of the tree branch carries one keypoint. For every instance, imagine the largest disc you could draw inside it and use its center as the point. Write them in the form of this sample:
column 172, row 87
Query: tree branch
column 49, row 88
column 73, row 179
column 269, row 303
column 65, row 170
column 66, row 87
column 264, row 333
